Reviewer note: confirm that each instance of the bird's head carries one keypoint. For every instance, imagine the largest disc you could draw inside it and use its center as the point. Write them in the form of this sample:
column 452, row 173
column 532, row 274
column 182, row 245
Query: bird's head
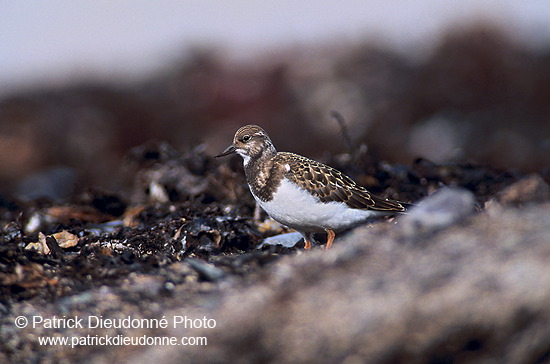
column 250, row 141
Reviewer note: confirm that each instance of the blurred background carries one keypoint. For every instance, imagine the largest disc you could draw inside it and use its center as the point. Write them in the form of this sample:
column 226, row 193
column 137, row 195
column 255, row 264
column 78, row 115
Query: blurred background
column 82, row 82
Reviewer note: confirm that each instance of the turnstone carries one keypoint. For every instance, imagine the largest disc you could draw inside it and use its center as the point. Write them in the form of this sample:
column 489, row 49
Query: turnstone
column 301, row 193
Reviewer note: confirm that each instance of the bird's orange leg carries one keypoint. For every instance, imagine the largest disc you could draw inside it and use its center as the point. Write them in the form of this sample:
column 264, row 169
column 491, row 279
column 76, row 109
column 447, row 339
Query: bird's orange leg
column 307, row 243
column 330, row 238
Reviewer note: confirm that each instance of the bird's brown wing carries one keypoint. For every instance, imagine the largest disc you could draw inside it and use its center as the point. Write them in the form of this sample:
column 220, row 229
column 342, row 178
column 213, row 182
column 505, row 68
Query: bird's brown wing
column 329, row 184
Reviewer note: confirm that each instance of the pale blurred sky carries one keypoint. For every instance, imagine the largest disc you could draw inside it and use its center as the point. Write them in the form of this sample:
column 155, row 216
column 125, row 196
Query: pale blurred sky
column 44, row 42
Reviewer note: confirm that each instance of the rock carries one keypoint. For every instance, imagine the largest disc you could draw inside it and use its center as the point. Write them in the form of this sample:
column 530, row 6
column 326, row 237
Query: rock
column 530, row 189
column 479, row 291
column 441, row 209
column 205, row 270
column 56, row 183
column 287, row 240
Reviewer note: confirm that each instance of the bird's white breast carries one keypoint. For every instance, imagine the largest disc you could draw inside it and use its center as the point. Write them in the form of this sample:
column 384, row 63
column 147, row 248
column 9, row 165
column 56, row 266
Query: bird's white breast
column 297, row 208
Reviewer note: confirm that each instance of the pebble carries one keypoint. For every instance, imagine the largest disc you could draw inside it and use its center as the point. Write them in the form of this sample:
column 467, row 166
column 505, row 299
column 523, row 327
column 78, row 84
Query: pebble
column 287, row 240
column 443, row 208
column 205, row 270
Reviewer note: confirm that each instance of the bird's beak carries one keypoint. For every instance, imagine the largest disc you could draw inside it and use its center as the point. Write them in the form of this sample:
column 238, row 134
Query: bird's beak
column 229, row 150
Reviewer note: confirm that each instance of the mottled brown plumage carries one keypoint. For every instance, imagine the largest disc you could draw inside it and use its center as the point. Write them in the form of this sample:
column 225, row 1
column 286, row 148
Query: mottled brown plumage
column 329, row 184
column 302, row 193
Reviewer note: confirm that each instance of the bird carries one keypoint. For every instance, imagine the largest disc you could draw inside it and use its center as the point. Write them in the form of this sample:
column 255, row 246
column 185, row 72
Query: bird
column 301, row 193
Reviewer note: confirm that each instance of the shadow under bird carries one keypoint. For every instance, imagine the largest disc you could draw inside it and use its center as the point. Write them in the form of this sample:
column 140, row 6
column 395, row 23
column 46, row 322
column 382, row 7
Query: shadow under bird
column 304, row 194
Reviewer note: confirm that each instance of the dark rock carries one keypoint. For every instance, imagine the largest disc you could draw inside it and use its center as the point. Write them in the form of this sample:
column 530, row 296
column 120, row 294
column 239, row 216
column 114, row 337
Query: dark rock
column 56, row 184
column 205, row 270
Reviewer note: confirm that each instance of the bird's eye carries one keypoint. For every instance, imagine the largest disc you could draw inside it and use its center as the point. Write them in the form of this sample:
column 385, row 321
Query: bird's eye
column 246, row 138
